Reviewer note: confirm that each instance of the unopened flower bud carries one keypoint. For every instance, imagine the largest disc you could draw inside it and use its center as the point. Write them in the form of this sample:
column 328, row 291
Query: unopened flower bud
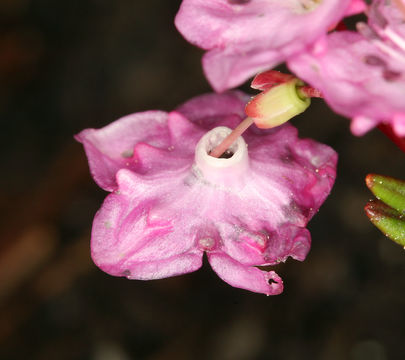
column 278, row 104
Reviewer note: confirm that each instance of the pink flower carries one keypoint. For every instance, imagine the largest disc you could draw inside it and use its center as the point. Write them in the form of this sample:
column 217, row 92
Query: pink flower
column 362, row 75
column 172, row 202
column 244, row 37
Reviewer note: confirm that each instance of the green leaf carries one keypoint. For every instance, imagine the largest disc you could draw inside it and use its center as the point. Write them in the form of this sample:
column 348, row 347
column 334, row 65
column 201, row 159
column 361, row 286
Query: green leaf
column 390, row 221
column 389, row 190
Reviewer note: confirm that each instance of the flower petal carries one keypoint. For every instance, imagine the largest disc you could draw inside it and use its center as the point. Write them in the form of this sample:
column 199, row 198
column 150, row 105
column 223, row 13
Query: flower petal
column 211, row 110
column 228, row 68
column 152, row 160
column 111, row 148
column 301, row 168
column 356, row 79
column 159, row 269
column 184, row 134
column 266, row 247
column 129, row 233
column 244, row 38
column 245, row 277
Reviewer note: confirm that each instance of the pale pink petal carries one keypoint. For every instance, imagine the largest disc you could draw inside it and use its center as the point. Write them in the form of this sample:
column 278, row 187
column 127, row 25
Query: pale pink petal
column 159, row 269
column 356, row 79
column 361, row 125
column 212, row 110
column 129, row 234
column 355, row 7
column 277, row 157
column 362, row 75
column 270, row 247
column 244, row 38
column 398, row 124
column 111, row 148
column 183, row 133
column 152, row 160
column 245, row 277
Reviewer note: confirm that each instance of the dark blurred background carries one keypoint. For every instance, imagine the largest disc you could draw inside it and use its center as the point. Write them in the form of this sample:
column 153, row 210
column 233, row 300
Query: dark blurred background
column 69, row 65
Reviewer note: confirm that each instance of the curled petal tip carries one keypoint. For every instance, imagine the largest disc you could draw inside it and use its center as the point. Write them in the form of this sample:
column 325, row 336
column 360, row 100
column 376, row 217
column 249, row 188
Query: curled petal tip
column 276, row 285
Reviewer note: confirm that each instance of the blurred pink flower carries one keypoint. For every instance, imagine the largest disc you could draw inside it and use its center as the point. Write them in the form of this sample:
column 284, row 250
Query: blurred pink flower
column 244, row 37
column 362, row 75
column 172, row 201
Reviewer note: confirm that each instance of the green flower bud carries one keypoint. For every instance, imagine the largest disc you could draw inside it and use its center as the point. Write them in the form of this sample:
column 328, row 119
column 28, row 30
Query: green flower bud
column 278, row 104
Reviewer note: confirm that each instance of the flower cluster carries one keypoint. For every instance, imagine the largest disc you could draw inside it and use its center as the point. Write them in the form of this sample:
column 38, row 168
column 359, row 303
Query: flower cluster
column 244, row 37
column 360, row 74
column 171, row 201
column 174, row 198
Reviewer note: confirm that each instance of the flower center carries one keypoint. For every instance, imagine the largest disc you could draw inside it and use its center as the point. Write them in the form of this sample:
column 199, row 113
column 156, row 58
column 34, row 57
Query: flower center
column 227, row 169
column 215, row 138
column 227, row 154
